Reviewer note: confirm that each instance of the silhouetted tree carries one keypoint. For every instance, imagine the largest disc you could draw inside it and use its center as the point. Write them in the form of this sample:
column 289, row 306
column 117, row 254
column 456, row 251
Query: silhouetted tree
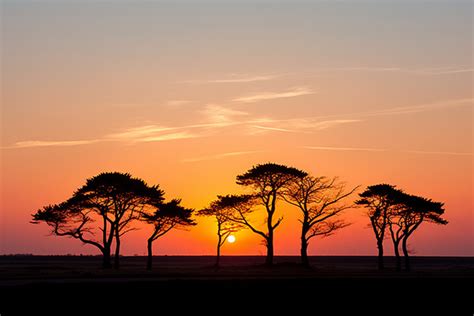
column 225, row 226
column 268, row 180
column 319, row 200
column 238, row 208
column 105, row 205
column 379, row 200
column 166, row 217
column 396, row 234
column 404, row 219
column 395, row 222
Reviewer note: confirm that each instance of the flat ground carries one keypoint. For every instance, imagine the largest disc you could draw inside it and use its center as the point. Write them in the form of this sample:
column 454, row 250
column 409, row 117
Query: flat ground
column 350, row 282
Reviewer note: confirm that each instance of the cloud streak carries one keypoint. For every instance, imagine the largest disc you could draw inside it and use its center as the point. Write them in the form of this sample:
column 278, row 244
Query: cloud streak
column 344, row 148
column 57, row 143
column 221, row 156
column 170, row 136
column 421, row 107
column 177, row 103
column 449, row 72
column 449, row 153
column 265, row 96
column 217, row 114
column 236, row 79
column 138, row 132
column 275, row 129
column 242, row 79
column 218, row 117
column 315, row 124
column 425, row 72
column 141, row 134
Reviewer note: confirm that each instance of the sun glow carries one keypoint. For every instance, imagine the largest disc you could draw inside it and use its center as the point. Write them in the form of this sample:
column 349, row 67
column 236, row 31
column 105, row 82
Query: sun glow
column 231, row 239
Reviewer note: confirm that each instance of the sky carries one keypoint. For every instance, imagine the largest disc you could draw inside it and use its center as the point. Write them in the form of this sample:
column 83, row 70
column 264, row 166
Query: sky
column 189, row 94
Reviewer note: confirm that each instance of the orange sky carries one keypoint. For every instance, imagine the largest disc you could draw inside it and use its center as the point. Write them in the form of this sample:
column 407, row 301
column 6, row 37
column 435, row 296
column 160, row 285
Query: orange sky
column 188, row 95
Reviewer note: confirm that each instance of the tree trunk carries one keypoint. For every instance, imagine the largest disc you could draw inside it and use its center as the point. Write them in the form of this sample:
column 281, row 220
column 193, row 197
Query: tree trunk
column 269, row 239
column 381, row 265
column 269, row 258
column 117, row 252
column 304, row 253
column 397, row 255
column 106, row 264
column 405, row 253
column 149, row 261
column 304, row 248
column 218, row 255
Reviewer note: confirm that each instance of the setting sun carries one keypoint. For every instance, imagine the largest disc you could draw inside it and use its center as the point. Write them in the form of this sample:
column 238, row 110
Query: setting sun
column 231, row 239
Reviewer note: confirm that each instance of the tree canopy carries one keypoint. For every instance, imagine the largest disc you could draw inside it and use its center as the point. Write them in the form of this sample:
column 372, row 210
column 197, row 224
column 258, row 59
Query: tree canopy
column 101, row 211
column 267, row 181
column 400, row 212
column 164, row 218
column 321, row 202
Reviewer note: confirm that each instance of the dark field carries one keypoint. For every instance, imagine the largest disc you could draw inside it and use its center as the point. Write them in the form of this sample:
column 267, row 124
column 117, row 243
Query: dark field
column 344, row 282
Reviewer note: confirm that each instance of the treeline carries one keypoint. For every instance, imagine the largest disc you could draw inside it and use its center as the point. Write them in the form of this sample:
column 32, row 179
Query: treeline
column 102, row 211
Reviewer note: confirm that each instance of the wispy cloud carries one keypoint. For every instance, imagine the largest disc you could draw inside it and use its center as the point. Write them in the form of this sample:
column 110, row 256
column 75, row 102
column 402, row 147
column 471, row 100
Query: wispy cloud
column 315, row 124
column 397, row 110
column 236, row 78
column 60, row 143
column 370, row 69
column 147, row 133
column 170, row 136
column 139, row 132
column 296, row 125
column 450, row 153
column 242, row 79
column 221, row 156
column 216, row 117
column 215, row 113
column 424, row 152
column 412, row 71
column 263, row 96
column 449, row 71
column 177, row 103
column 344, row 148
column 153, row 133
column 276, row 129
column 421, row 107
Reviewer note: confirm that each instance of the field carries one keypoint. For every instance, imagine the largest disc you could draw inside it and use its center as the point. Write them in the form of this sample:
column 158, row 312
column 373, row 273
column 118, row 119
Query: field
column 190, row 281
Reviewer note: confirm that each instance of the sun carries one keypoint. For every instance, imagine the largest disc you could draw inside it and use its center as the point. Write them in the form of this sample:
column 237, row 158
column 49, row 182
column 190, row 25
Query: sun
column 231, row 239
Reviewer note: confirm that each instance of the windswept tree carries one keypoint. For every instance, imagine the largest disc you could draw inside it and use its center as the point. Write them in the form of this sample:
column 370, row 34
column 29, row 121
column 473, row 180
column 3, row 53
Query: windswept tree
column 379, row 200
column 268, row 181
column 320, row 201
column 101, row 211
column 404, row 219
column 238, row 209
column 225, row 226
column 166, row 217
column 395, row 224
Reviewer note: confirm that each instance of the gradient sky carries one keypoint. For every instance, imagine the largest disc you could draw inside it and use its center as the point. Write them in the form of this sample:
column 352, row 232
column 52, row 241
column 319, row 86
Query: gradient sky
column 188, row 94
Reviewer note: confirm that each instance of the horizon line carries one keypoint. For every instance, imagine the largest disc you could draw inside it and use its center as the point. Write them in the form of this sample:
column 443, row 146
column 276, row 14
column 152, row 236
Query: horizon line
column 246, row 255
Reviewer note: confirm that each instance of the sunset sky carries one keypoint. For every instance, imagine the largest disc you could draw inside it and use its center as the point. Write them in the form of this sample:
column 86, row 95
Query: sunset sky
column 189, row 94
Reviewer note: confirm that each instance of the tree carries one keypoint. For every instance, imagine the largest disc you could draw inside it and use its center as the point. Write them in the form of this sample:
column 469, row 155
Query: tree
column 238, row 209
column 105, row 206
column 410, row 212
column 319, row 200
column 379, row 200
column 268, row 180
column 396, row 230
column 225, row 226
column 166, row 217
